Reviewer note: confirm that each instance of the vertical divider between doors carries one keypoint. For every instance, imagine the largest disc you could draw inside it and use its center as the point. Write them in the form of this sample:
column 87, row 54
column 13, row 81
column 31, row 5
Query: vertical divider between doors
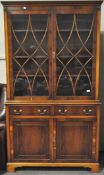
column 94, row 88
column 52, row 140
column 50, row 52
column 54, row 52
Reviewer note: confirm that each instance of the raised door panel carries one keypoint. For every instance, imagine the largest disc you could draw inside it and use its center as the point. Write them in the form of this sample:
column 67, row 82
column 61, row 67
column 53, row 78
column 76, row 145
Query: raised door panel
column 74, row 140
column 75, row 54
column 30, row 140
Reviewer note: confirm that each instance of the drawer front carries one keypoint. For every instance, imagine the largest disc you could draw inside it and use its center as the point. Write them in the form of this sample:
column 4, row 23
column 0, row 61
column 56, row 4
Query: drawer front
column 30, row 110
column 27, row 9
column 75, row 110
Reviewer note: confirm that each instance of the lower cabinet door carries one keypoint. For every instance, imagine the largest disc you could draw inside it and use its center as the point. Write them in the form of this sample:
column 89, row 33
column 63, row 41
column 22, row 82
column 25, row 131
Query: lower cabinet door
column 30, row 140
column 74, row 140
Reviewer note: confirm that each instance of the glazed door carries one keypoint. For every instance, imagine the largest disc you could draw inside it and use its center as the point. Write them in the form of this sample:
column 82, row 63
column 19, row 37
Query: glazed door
column 30, row 140
column 53, row 55
column 30, row 54
column 75, row 53
column 75, row 140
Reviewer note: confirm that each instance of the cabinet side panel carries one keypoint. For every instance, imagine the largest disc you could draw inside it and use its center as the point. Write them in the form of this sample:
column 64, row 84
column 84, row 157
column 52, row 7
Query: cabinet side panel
column 7, row 134
column 97, row 53
column 7, row 53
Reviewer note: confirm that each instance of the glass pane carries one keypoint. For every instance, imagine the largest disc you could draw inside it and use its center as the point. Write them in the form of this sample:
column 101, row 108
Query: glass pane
column 30, row 55
column 74, row 54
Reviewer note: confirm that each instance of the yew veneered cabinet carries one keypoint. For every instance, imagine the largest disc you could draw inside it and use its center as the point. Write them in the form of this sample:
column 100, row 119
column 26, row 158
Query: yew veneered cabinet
column 52, row 61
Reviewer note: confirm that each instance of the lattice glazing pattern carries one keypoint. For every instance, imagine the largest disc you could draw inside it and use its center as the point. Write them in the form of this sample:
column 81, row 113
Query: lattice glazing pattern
column 74, row 54
column 30, row 55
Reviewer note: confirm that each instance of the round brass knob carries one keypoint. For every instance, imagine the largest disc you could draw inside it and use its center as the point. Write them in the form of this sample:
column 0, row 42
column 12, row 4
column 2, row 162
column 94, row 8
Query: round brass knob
column 65, row 110
column 90, row 110
column 15, row 110
column 59, row 110
column 45, row 110
column 20, row 110
column 39, row 110
column 84, row 110
column 24, row 8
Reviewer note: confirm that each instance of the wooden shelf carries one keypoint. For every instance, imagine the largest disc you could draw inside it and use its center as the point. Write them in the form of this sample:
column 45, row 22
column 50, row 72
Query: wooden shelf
column 60, row 30
column 80, row 56
column 74, row 75
column 79, row 30
column 20, row 56
column 23, row 30
column 32, row 75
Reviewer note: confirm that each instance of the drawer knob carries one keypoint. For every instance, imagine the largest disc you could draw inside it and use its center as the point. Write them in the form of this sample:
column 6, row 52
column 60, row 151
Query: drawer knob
column 14, row 110
column 42, row 111
column 60, row 110
column 84, row 110
column 90, row 110
column 65, row 110
column 39, row 110
column 20, row 110
column 24, row 8
column 87, row 111
column 17, row 112
column 45, row 110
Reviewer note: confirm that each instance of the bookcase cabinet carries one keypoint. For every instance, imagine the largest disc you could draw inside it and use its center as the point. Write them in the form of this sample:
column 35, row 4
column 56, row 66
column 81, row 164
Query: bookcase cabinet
column 53, row 107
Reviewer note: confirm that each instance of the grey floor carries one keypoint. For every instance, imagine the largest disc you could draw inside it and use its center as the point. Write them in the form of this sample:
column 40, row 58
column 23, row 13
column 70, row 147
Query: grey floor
column 53, row 172
column 57, row 171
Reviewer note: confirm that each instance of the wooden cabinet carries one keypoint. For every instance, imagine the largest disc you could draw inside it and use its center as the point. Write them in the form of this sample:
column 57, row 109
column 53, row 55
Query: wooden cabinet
column 52, row 108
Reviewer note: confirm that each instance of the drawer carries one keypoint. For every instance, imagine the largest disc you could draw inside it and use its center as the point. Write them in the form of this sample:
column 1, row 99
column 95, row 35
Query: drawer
column 75, row 110
column 27, row 9
column 30, row 110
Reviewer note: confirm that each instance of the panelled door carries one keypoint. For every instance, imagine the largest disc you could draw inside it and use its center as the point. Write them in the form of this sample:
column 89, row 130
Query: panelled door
column 75, row 140
column 56, row 140
column 30, row 139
